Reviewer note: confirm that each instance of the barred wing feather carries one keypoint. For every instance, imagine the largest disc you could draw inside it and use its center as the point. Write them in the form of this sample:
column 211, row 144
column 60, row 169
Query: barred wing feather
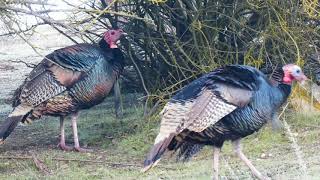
column 196, row 114
column 203, row 103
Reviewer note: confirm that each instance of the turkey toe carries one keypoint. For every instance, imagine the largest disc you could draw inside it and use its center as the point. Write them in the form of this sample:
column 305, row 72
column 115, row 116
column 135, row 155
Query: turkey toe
column 65, row 147
column 82, row 150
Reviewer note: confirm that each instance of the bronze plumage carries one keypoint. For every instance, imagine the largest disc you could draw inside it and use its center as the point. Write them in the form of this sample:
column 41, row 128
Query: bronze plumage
column 66, row 81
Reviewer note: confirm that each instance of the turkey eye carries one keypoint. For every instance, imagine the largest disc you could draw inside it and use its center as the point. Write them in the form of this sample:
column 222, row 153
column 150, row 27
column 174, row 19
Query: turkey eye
column 298, row 71
column 112, row 33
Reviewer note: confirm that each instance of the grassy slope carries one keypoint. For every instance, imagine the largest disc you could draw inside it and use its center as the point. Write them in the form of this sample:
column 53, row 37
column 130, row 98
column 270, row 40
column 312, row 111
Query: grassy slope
column 127, row 141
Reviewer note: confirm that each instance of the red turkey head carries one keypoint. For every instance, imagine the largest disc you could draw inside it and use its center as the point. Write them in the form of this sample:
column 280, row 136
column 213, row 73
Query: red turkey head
column 112, row 36
column 293, row 72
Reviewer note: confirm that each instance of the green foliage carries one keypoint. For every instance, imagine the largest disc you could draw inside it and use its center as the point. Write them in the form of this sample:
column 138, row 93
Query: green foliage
column 176, row 41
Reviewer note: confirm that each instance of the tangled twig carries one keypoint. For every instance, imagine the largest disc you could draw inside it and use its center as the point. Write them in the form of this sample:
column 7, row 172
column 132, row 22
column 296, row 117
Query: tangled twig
column 29, row 65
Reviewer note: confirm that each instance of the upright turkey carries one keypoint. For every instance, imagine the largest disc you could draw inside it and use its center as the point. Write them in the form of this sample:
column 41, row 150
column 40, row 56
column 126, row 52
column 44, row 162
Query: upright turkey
column 67, row 80
column 228, row 103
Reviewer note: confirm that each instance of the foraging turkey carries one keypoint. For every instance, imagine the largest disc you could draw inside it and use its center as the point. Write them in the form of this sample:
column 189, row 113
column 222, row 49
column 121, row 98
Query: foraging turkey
column 67, row 80
column 228, row 103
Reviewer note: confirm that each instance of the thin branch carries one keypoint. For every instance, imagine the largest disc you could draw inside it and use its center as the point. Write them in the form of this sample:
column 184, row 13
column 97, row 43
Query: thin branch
column 29, row 65
column 40, row 165
column 23, row 31
column 63, row 33
column 75, row 160
column 25, row 40
column 29, row 2
column 44, row 18
column 143, row 83
column 110, row 164
column 21, row 10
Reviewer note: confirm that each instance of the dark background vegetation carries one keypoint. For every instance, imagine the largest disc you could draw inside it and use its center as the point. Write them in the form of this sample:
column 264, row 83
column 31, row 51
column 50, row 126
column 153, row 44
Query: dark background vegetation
column 171, row 42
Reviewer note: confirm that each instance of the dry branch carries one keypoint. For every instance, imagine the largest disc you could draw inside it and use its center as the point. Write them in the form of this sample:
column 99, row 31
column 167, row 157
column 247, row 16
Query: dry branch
column 110, row 164
column 29, row 65
column 29, row 2
column 40, row 165
column 74, row 160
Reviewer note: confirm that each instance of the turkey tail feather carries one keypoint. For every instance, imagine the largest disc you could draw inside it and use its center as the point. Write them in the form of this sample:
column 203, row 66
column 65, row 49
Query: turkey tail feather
column 8, row 126
column 160, row 146
column 12, row 121
column 187, row 150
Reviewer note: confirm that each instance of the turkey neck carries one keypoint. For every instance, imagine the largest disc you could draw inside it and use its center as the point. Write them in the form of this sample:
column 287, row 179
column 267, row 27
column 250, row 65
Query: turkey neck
column 285, row 89
column 277, row 75
column 117, row 60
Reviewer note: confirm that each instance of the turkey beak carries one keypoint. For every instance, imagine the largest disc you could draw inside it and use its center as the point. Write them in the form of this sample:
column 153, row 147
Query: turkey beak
column 121, row 31
column 124, row 33
column 302, row 78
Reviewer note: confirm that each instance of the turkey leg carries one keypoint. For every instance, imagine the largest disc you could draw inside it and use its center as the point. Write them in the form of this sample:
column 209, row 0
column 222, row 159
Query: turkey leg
column 238, row 151
column 62, row 143
column 216, row 153
column 74, row 118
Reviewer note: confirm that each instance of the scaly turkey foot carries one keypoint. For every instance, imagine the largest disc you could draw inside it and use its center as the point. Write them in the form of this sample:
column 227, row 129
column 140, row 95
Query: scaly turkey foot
column 64, row 147
column 77, row 147
column 82, row 150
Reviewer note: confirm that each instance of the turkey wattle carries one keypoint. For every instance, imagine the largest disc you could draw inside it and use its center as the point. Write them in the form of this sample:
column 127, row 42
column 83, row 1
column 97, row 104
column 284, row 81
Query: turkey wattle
column 228, row 103
column 66, row 81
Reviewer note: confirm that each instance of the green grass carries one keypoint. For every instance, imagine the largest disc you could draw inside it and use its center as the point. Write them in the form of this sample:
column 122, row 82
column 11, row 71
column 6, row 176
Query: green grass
column 127, row 141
